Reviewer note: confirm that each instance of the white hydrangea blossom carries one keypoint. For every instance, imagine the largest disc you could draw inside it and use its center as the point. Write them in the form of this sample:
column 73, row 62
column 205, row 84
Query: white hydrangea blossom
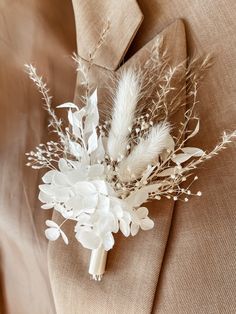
column 79, row 192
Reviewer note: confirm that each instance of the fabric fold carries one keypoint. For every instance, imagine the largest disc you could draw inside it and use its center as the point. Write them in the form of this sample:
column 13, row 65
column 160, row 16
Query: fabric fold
column 92, row 17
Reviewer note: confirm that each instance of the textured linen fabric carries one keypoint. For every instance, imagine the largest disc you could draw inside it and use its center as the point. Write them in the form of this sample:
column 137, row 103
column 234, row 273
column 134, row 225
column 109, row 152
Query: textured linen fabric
column 187, row 264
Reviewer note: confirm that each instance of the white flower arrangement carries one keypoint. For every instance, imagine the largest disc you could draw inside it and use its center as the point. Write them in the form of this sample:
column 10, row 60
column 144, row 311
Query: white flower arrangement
column 101, row 173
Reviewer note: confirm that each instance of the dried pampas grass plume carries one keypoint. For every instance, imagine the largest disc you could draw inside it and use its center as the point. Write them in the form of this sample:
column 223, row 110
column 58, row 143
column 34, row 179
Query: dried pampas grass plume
column 125, row 101
column 145, row 153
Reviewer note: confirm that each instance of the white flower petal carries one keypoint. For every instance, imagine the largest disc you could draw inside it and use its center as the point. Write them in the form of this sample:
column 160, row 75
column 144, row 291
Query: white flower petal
column 51, row 223
column 146, row 224
column 115, row 228
column 84, row 219
column 63, row 165
column 77, row 175
column 52, row 234
column 142, row 212
column 44, row 198
column 62, row 194
column 88, row 239
column 108, row 241
column 103, row 203
column 47, row 206
column 47, row 178
column 96, row 171
column 86, row 188
column 60, row 179
column 118, row 211
column 101, row 186
column 134, row 229
column 124, row 227
column 47, row 189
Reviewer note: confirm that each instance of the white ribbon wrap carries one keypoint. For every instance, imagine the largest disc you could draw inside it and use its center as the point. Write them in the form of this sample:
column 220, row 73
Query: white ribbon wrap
column 97, row 263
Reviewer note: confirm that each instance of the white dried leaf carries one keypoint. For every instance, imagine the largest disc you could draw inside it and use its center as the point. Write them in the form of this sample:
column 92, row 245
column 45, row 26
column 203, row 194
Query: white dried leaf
column 137, row 198
column 68, row 105
column 99, row 153
column 92, row 115
column 169, row 171
column 76, row 149
column 92, row 142
column 64, row 237
column 180, row 158
column 193, row 151
column 196, row 130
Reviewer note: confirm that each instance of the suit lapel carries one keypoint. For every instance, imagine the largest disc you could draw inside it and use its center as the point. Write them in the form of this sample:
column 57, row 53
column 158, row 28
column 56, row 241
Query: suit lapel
column 134, row 264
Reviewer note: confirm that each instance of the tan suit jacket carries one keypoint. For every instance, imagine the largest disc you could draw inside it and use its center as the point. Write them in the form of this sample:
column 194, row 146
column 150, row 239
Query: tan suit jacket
column 186, row 264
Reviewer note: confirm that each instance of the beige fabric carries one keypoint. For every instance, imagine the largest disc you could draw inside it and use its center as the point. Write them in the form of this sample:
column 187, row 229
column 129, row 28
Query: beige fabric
column 30, row 31
column 123, row 26
column 197, row 273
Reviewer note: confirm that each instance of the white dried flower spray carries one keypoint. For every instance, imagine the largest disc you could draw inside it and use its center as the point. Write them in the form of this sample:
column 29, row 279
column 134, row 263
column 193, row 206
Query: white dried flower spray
column 102, row 188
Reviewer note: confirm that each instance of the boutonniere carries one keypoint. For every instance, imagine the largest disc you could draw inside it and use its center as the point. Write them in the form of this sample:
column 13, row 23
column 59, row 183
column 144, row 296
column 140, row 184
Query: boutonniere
column 101, row 174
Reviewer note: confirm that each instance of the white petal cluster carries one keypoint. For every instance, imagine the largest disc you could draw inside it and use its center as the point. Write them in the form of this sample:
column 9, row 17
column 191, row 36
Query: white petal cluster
column 80, row 193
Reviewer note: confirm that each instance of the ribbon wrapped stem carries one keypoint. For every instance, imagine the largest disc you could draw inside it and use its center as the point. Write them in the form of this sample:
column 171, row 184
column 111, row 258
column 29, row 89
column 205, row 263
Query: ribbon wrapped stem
column 97, row 264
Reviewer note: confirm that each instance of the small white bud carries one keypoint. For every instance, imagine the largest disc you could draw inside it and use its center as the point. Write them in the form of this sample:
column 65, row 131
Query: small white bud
column 186, row 199
column 199, row 193
column 175, row 198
